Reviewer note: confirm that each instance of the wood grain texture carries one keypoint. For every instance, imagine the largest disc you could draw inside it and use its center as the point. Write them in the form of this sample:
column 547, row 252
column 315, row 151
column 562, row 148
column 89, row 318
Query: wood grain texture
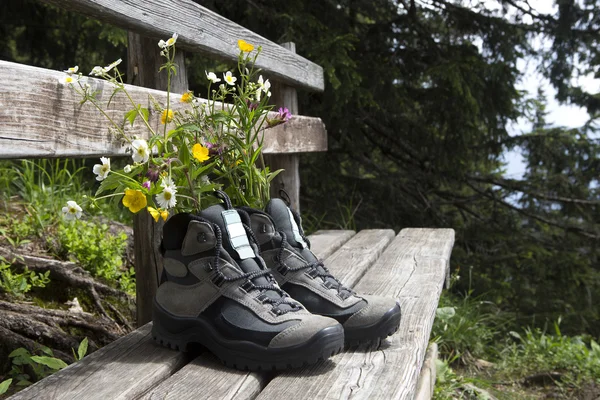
column 324, row 242
column 41, row 117
column 412, row 268
column 285, row 96
column 356, row 256
column 124, row 369
column 200, row 30
column 426, row 383
column 143, row 63
column 205, row 377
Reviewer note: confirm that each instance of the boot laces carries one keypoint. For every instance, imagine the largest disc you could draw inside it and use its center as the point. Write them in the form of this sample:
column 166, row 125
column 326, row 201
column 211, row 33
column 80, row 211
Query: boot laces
column 320, row 271
column 284, row 298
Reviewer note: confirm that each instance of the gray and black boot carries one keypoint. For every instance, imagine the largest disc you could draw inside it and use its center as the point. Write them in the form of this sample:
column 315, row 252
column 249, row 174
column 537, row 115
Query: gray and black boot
column 286, row 252
column 217, row 292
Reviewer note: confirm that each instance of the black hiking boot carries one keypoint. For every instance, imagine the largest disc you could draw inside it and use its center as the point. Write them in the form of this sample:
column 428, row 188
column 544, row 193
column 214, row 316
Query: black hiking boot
column 286, row 252
column 217, row 292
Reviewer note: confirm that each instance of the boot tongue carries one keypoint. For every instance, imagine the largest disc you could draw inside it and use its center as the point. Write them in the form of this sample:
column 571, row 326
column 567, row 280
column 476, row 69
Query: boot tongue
column 284, row 221
column 235, row 241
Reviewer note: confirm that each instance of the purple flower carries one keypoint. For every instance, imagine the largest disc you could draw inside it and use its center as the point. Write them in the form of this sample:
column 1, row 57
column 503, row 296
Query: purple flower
column 214, row 149
column 251, row 105
column 153, row 175
column 146, row 185
column 284, row 114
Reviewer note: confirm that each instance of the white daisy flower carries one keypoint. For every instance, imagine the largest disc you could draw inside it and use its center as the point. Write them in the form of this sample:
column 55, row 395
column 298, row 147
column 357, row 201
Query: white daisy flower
column 127, row 169
column 162, row 44
column 69, row 79
column 141, row 152
column 212, row 77
column 72, row 210
column 111, row 66
column 72, row 70
column 230, row 79
column 166, row 199
column 97, row 71
column 171, row 41
column 103, row 169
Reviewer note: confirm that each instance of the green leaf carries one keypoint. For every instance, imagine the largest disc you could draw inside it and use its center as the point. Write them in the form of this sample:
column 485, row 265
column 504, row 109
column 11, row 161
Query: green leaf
column 47, row 350
column 50, row 362
column 4, row 385
column 445, row 313
column 199, row 171
column 131, row 115
column 145, row 113
column 19, row 352
column 184, row 154
column 83, row 348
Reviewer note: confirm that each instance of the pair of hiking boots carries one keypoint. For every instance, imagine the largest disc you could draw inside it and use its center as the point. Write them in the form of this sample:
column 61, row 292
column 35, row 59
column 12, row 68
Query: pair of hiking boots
column 244, row 284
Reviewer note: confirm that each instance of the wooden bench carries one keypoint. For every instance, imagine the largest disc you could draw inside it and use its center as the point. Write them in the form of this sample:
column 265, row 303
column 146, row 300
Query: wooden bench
column 39, row 117
column 411, row 266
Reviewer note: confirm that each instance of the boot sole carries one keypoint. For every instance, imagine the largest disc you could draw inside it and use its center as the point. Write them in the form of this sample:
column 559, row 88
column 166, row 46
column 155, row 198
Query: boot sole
column 386, row 326
column 244, row 355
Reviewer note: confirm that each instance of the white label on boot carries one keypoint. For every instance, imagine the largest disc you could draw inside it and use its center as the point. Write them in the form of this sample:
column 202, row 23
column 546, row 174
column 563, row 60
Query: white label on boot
column 237, row 234
column 296, row 230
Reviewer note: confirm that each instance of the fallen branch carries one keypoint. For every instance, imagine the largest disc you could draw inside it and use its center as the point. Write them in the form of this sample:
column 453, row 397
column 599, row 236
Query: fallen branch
column 22, row 325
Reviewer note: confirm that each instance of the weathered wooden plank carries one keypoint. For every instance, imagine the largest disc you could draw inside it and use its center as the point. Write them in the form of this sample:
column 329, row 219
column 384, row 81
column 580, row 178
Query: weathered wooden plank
column 124, row 369
column 289, row 178
column 356, row 256
column 206, row 376
column 41, row 117
column 426, row 383
column 200, row 30
column 413, row 269
column 324, row 242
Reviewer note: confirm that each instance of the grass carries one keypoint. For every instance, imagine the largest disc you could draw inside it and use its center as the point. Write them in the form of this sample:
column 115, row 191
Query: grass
column 483, row 355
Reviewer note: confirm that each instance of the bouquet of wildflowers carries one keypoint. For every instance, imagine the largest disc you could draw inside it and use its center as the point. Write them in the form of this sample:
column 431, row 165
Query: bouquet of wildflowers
column 206, row 145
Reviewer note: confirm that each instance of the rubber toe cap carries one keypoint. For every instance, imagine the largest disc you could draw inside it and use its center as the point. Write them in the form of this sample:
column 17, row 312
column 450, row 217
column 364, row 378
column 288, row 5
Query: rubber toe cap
column 377, row 307
column 303, row 331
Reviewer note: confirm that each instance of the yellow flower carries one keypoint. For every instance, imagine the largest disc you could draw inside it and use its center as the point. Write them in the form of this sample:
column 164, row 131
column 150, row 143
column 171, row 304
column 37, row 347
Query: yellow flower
column 135, row 200
column 245, row 46
column 200, row 152
column 164, row 118
column 187, row 97
column 156, row 214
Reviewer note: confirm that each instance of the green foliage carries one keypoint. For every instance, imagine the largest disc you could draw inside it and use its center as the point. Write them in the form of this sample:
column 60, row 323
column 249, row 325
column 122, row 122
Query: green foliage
column 28, row 368
column 93, row 247
column 535, row 351
column 81, row 350
column 4, row 385
column 449, row 385
column 17, row 231
column 18, row 283
column 466, row 326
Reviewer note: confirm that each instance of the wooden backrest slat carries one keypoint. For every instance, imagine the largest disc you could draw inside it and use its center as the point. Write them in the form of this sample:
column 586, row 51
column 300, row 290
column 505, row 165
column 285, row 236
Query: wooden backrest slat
column 42, row 117
column 200, row 30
